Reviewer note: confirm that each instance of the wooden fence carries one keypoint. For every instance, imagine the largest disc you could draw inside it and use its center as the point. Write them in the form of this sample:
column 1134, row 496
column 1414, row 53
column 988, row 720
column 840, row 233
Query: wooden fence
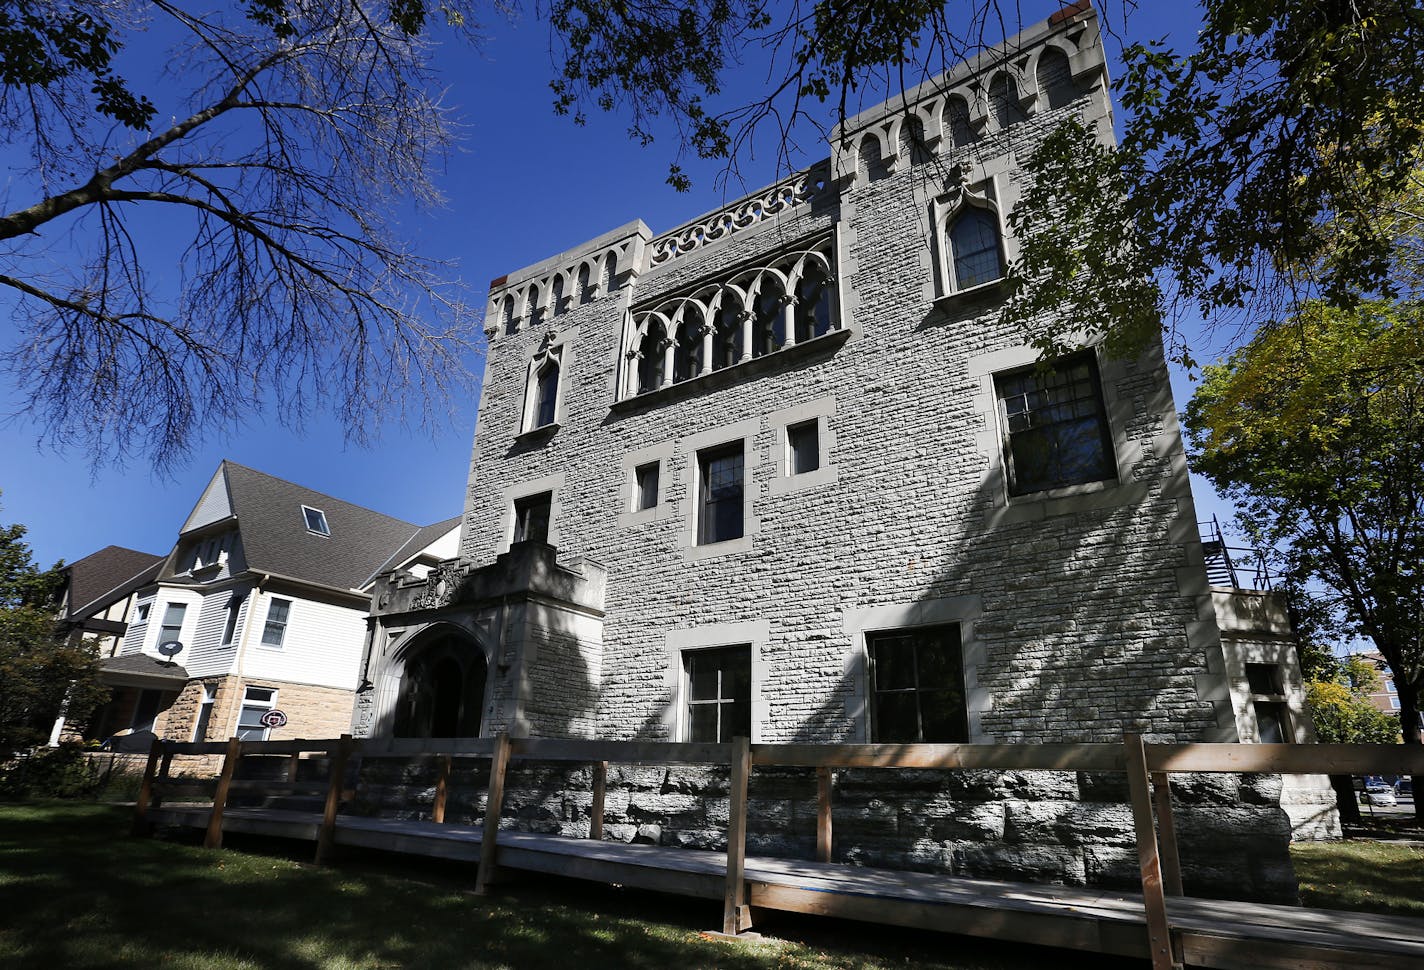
column 1148, row 767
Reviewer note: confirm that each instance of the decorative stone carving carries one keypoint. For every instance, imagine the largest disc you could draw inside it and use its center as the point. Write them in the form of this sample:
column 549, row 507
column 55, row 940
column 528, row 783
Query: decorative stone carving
column 740, row 215
column 441, row 586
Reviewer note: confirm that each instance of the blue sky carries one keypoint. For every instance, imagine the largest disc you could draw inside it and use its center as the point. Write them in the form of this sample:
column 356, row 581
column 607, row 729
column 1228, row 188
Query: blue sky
column 522, row 185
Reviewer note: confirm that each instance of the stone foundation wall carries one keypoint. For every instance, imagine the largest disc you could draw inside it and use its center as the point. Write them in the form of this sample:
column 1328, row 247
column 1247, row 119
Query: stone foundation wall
column 1070, row 828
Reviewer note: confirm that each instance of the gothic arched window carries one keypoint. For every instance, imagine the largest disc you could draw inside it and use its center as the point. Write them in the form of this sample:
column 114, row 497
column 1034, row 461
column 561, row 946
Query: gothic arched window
column 976, row 256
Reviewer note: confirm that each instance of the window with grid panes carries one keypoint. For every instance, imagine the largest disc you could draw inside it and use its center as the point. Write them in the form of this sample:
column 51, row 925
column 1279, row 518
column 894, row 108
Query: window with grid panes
column 1055, row 427
column 719, row 693
column 256, row 701
column 917, row 686
column 721, row 494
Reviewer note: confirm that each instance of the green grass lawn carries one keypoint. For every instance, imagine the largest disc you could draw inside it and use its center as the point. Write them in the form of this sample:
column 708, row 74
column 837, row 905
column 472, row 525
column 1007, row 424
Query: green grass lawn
column 1375, row 877
column 77, row 892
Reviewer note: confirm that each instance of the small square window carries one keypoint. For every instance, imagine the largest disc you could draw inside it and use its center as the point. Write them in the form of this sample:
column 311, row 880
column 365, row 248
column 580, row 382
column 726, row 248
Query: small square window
column 316, row 521
column 1394, row 703
column 1264, row 679
column 803, row 446
column 531, row 517
column 719, row 693
column 141, row 612
column 721, row 487
column 645, row 486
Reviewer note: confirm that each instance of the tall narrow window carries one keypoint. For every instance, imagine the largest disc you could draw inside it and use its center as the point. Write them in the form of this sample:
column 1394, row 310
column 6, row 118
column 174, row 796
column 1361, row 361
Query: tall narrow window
column 726, row 339
column 687, row 354
column 803, row 446
column 205, row 713
column 719, row 694
column 172, row 628
column 917, row 683
column 1055, row 426
column 274, row 631
column 721, row 493
column 975, row 255
column 813, row 302
column 769, row 324
column 511, row 322
column 547, row 394
column 1268, row 699
column 645, row 487
column 559, row 304
column 531, row 517
column 234, row 607
column 256, row 701
column 585, row 286
column 650, row 358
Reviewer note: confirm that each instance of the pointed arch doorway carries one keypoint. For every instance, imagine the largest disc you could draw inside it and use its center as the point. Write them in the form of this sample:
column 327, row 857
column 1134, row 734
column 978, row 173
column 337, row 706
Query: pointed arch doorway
column 443, row 686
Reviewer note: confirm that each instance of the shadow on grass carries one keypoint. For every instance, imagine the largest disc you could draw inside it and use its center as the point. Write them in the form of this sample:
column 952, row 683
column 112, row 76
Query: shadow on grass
column 78, row 893
column 1367, row 876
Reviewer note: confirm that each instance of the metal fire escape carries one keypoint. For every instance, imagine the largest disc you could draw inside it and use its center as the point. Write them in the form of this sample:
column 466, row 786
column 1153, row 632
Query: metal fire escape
column 1231, row 567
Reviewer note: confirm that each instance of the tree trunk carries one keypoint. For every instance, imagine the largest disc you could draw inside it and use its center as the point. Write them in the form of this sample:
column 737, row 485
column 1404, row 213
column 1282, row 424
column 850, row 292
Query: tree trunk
column 1347, row 800
column 1409, row 726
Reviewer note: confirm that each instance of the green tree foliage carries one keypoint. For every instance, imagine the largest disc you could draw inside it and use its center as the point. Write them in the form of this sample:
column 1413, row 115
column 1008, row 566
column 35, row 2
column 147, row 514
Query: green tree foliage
column 1261, row 170
column 40, row 674
column 1342, row 715
column 1315, row 430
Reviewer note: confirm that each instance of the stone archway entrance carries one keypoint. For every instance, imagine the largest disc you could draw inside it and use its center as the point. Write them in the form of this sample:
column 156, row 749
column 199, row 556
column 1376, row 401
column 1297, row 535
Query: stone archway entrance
column 443, row 688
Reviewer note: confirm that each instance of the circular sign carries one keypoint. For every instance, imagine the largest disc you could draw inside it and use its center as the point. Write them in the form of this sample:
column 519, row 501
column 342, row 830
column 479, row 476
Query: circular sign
column 170, row 648
column 274, row 719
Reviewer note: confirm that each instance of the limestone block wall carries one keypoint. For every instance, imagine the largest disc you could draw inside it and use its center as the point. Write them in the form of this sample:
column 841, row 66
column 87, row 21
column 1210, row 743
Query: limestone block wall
column 1069, row 828
column 1073, row 611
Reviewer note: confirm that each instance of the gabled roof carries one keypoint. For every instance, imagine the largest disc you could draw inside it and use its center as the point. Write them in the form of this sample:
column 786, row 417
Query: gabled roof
column 105, row 576
column 275, row 538
column 422, row 538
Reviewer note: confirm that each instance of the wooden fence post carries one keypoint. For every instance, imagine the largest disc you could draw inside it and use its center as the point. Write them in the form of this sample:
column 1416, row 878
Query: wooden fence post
column 145, row 790
column 735, row 917
column 335, row 785
column 494, row 805
column 823, row 814
column 442, row 789
column 1167, row 834
column 600, row 796
column 293, row 765
column 214, row 837
column 1159, row 934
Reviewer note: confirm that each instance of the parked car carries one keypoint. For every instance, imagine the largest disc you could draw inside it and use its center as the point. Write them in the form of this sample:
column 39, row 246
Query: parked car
column 1405, row 786
column 1379, row 795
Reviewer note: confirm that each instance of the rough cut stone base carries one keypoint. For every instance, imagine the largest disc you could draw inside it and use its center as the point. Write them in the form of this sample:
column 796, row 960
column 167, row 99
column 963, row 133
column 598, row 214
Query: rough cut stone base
column 1071, row 828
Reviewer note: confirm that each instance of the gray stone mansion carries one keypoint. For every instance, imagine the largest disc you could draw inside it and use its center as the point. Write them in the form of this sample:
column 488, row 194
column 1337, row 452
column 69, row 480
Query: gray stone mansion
column 782, row 473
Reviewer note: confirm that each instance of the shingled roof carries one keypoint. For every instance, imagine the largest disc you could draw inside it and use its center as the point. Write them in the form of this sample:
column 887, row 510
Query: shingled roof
column 413, row 545
column 275, row 538
column 107, row 575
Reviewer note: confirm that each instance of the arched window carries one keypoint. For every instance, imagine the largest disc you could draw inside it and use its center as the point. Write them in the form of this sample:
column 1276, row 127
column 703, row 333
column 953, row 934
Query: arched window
column 687, row 353
column 913, row 147
column 975, row 254
column 532, row 303
column 956, row 122
column 547, row 394
column 1055, row 78
column 768, row 321
column 726, row 338
column 557, row 302
column 870, row 160
column 813, row 301
column 585, row 285
column 510, row 323
column 1004, row 102
column 610, row 273
column 650, row 358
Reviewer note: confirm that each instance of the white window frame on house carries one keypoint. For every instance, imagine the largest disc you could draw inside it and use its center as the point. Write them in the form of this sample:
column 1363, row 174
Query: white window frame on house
column 1010, row 410
column 315, row 521
column 281, row 625
column 231, row 617
column 259, row 705
column 751, row 636
column 820, row 412
column 945, row 212
column 141, row 611
column 169, row 623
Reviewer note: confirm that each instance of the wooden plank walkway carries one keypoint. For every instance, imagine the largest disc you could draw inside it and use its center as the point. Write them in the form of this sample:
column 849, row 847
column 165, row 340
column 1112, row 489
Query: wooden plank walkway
column 1210, row 933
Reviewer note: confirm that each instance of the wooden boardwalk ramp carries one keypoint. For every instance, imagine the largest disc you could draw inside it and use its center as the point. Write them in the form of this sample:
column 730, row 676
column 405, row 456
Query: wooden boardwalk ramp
column 1164, row 927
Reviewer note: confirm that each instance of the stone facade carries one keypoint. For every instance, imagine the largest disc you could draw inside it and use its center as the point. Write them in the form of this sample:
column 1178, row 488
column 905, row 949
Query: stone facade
column 826, row 336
